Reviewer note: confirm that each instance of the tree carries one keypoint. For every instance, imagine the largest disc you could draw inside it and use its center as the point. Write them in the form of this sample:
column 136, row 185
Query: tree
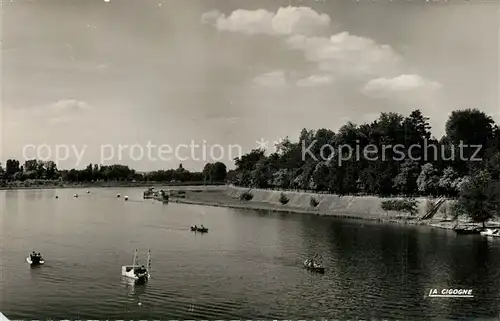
column 480, row 198
column 428, row 179
column 406, row 181
column 31, row 165
column 218, row 172
column 207, row 172
column 50, row 170
column 11, row 167
column 469, row 127
column 320, row 178
column 281, row 178
column 493, row 166
column 231, row 176
column 448, row 182
column 416, row 130
column 246, row 164
column 214, row 172
column 261, row 176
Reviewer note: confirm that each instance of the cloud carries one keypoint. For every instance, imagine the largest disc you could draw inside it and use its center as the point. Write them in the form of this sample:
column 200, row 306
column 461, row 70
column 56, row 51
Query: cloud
column 62, row 111
column 342, row 54
column 342, row 64
column 275, row 79
column 210, row 17
column 299, row 20
column 286, row 21
column 347, row 54
column 315, row 80
column 403, row 84
column 70, row 105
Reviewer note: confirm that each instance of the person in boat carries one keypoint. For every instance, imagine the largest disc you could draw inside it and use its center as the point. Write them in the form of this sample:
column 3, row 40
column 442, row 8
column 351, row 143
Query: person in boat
column 142, row 270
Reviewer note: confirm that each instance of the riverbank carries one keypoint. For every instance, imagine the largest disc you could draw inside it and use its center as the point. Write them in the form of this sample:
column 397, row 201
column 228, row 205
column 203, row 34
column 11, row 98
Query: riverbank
column 48, row 184
column 352, row 207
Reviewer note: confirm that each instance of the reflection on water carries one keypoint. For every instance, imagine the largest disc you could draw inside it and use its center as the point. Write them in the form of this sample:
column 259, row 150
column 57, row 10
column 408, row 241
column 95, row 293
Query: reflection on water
column 135, row 287
column 250, row 264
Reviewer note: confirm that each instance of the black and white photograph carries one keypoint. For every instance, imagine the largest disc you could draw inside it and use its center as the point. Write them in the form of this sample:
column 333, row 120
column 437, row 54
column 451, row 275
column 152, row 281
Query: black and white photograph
column 250, row 160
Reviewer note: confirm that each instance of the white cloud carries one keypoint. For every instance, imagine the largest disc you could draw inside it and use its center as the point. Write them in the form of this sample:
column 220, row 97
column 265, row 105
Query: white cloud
column 403, row 84
column 247, row 22
column 275, row 79
column 63, row 111
column 286, row 21
column 70, row 105
column 347, row 54
column 210, row 17
column 342, row 54
column 315, row 80
column 342, row 62
column 299, row 20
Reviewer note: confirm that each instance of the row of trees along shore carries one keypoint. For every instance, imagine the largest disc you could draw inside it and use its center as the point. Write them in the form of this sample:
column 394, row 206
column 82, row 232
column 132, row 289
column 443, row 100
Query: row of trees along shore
column 37, row 171
column 443, row 172
column 476, row 183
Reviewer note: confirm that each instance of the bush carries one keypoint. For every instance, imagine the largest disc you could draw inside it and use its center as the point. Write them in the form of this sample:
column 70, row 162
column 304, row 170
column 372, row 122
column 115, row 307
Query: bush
column 283, row 199
column 313, row 202
column 455, row 210
column 405, row 205
column 246, row 196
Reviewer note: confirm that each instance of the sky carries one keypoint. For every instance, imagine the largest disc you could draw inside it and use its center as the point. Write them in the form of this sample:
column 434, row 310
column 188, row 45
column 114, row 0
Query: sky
column 82, row 78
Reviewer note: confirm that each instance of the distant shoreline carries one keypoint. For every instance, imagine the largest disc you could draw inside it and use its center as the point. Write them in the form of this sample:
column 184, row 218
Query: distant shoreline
column 59, row 185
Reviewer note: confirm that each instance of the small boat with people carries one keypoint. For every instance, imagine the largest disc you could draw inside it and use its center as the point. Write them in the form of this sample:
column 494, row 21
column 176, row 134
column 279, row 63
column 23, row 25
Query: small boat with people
column 149, row 193
column 467, row 230
column 152, row 193
column 136, row 271
column 35, row 259
column 314, row 265
column 200, row 229
column 491, row 232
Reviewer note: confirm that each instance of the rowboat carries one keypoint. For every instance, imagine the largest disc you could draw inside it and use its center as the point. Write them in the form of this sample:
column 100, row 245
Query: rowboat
column 136, row 271
column 200, row 229
column 491, row 232
column 35, row 259
column 313, row 266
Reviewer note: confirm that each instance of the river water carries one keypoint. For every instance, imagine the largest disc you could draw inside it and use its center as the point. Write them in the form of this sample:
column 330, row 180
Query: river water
column 249, row 265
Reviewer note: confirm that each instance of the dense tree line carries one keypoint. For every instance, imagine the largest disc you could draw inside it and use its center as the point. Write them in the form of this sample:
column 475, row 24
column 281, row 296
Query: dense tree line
column 47, row 170
column 453, row 166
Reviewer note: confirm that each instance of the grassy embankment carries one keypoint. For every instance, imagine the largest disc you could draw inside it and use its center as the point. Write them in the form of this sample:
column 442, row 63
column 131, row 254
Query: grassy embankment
column 354, row 207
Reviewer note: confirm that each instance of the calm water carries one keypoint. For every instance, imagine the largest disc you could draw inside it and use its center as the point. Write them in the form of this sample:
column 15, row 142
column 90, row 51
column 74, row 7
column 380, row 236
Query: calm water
column 247, row 267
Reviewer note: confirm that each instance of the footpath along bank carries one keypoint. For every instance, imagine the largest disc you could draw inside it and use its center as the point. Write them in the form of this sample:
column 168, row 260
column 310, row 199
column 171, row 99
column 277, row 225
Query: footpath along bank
column 431, row 212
